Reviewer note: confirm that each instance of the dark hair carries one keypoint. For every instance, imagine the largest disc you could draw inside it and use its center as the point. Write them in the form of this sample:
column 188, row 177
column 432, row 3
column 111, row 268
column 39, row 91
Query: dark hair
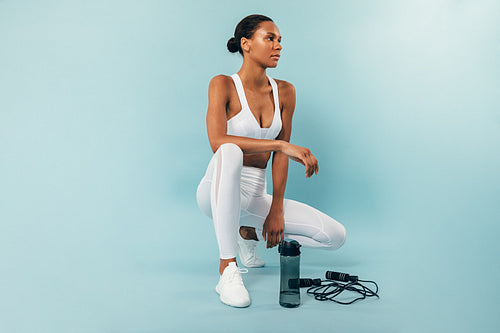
column 245, row 28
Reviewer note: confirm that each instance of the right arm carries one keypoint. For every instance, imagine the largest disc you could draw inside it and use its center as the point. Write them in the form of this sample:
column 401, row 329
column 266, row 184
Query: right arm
column 218, row 99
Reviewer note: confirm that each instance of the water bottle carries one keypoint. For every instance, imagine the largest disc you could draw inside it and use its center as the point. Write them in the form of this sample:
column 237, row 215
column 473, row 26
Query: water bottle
column 289, row 273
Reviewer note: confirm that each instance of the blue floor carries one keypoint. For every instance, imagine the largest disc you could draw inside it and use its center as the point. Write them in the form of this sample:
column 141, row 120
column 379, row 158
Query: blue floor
column 155, row 271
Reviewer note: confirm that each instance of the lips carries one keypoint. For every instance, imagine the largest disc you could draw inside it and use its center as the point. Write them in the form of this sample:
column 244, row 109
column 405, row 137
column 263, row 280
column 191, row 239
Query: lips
column 275, row 56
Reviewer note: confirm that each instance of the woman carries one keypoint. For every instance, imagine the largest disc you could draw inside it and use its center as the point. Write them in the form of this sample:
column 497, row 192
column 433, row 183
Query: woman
column 249, row 117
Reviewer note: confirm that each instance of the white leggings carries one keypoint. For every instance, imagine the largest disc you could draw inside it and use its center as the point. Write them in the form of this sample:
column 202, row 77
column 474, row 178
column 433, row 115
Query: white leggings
column 234, row 195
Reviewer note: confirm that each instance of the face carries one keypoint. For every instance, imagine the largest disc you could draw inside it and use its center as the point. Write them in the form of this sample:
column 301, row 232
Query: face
column 265, row 45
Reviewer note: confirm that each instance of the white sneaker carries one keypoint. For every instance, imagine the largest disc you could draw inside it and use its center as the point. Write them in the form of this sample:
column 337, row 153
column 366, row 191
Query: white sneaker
column 231, row 289
column 247, row 250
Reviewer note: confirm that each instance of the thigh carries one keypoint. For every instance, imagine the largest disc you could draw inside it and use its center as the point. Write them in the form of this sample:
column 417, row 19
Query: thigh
column 300, row 218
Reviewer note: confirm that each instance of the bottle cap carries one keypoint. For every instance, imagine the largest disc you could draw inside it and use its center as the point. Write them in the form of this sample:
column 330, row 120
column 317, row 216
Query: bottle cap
column 289, row 248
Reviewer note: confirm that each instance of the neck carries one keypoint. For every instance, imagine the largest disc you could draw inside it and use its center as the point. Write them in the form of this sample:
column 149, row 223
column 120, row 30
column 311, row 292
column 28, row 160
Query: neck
column 253, row 75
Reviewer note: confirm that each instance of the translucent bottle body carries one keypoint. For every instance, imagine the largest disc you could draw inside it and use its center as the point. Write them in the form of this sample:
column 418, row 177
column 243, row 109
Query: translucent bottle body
column 289, row 281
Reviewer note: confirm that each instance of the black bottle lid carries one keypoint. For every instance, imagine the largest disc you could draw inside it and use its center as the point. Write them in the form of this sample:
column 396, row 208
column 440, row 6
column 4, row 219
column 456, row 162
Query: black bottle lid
column 289, row 248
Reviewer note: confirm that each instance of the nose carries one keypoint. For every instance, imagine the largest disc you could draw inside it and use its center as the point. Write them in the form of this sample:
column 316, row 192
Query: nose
column 278, row 46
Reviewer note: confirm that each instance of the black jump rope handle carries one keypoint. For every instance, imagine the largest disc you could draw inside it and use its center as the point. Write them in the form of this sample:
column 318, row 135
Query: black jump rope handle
column 330, row 275
column 309, row 282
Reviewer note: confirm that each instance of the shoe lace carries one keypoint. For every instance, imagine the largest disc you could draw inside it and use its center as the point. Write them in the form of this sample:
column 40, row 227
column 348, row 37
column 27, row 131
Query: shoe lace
column 235, row 276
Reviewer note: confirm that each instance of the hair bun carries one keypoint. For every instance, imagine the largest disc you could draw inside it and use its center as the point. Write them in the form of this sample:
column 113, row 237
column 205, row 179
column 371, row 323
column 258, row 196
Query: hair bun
column 232, row 45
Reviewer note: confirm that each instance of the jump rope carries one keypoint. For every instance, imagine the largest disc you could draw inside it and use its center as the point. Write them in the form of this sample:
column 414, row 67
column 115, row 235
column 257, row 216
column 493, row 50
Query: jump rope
column 327, row 290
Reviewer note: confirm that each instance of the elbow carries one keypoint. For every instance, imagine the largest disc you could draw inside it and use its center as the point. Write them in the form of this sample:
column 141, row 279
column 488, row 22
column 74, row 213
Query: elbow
column 216, row 143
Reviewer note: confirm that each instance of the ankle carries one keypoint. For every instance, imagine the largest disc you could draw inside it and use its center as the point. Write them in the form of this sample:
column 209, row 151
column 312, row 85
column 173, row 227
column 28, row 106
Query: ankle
column 224, row 263
column 248, row 233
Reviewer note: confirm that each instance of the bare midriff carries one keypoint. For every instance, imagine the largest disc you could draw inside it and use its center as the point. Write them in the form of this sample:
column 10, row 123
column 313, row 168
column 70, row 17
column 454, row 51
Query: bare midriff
column 256, row 160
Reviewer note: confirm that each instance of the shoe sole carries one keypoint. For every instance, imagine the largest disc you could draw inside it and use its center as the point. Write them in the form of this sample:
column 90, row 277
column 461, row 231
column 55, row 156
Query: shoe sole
column 225, row 302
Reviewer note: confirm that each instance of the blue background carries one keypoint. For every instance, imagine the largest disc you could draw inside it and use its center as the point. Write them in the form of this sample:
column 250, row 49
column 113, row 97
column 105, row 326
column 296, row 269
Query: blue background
column 103, row 143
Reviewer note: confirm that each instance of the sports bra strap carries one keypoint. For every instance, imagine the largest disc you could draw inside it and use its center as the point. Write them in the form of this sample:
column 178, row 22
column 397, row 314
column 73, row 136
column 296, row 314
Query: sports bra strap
column 240, row 91
column 242, row 96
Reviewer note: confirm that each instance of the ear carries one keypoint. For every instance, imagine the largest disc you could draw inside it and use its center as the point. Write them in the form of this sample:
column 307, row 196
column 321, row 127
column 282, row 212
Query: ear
column 245, row 44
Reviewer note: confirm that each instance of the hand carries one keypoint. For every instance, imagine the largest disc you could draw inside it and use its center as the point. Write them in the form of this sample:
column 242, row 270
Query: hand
column 273, row 229
column 303, row 156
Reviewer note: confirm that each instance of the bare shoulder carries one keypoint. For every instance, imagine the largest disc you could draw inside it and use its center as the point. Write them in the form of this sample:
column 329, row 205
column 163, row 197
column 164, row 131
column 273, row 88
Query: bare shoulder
column 220, row 81
column 287, row 94
column 286, row 89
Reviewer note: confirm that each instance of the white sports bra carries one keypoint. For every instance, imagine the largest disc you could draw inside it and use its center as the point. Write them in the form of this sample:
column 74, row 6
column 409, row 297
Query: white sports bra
column 244, row 122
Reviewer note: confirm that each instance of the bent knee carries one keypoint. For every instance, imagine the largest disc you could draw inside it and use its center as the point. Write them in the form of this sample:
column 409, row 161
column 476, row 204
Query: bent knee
column 231, row 149
column 230, row 155
column 333, row 235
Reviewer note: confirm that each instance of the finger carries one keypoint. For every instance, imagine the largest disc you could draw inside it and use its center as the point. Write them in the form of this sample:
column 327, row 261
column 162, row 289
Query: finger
column 312, row 161
column 316, row 167
column 308, row 161
column 310, row 170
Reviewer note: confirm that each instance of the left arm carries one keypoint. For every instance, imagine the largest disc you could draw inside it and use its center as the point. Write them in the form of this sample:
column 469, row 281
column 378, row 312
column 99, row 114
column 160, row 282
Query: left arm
column 273, row 229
